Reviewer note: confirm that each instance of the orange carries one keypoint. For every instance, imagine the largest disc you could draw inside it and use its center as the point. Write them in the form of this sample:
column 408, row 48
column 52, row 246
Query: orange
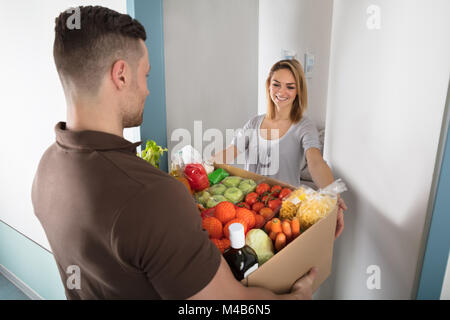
column 247, row 215
column 213, row 226
column 185, row 181
column 225, row 211
column 221, row 244
column 238, row 220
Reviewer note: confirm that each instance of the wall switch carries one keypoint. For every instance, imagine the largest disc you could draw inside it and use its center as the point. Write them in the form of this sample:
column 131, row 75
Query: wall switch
column 308, row 64
column 289, row 54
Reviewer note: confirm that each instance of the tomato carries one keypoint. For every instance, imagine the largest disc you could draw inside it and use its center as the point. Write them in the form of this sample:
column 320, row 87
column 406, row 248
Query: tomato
column 258, row 206
column 251, row 198
column 275, row 204
column 275, row 191
column 243, row 205
column 208, row 213
column 284, row 193
column 261, row 188
column 267, row 213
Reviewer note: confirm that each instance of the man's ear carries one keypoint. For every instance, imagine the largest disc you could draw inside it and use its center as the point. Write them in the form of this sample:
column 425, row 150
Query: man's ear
column 118, row 74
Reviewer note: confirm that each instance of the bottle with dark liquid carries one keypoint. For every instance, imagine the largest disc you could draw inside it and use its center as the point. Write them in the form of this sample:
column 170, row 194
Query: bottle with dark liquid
column 241, row 258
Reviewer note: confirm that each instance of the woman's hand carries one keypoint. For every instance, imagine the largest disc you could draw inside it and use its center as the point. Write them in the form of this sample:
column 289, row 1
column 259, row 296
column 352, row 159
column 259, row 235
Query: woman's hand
column 340, row 217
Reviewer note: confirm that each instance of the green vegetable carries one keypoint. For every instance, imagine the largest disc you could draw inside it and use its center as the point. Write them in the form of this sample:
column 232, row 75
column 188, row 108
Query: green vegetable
column 234, row 195
column 247, row 186
column 202, row 197
column 259, row 241
column 217, row 189
column 217, row 175
column 215, row 200
column 152, row 153
column 232, row 181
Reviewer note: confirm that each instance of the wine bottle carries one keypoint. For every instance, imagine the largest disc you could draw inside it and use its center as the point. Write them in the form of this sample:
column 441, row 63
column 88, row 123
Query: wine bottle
column 241, row 258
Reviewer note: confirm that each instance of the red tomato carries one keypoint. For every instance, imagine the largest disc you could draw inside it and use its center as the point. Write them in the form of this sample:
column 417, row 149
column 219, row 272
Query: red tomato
column 258, row 206
column 243, row 205
column 251, row 198
column 275, row 191
column 261, row 188
column 208, row 213
column 284, row 193
column 274, row 204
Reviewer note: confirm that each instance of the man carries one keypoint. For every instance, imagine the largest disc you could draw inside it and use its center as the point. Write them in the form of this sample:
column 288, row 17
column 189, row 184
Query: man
column 131, row 230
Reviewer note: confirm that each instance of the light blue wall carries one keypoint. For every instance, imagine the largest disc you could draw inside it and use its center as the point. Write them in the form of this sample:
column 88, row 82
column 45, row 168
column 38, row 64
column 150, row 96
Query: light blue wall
column 31, row 263
column 438, row 244
column 150, row 14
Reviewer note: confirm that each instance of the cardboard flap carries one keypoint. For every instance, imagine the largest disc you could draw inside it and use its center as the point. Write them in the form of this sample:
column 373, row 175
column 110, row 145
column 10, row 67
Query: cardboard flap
column 282, row 270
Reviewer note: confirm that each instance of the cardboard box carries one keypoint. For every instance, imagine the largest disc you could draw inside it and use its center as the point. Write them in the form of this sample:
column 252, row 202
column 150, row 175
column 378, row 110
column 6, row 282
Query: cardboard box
column 313, row 248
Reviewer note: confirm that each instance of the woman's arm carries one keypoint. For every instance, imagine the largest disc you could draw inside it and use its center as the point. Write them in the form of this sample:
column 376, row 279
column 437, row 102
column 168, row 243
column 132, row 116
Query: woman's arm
column 322, row 177
column 319, row 169
column 226, row 156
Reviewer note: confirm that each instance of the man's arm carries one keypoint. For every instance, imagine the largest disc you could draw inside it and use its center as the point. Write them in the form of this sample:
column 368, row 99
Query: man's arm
column 224, row 286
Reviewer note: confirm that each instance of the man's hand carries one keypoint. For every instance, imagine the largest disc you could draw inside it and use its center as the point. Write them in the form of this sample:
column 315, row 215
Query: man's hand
column 340, row 217
column 302, row 288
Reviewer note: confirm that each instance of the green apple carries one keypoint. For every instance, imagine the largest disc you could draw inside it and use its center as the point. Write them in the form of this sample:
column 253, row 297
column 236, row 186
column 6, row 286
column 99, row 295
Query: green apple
column 247, row 186
column 202, row 197
column 234, row 195
column 217, row 189
column 232, row 181
column 215, row 200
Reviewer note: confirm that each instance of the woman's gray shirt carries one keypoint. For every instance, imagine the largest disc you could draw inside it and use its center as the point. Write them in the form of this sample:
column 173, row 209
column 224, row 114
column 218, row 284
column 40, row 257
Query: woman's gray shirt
column 278, row 158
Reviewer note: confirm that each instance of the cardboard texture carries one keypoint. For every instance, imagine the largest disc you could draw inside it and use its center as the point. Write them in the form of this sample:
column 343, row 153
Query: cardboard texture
column 313, row 248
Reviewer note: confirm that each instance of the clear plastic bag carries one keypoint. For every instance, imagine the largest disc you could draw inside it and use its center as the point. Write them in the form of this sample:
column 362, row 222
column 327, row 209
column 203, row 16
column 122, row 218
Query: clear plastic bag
column 187, row 164
column 309, row 206
column 187, row 155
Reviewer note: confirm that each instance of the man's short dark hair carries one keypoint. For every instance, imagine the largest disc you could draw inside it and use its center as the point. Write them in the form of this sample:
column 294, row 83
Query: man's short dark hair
column 104, row 36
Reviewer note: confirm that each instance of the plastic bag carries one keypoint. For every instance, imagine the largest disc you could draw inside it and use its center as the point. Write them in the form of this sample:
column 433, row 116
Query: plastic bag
column 217, row 175
column 309, row 206
column 187, row 163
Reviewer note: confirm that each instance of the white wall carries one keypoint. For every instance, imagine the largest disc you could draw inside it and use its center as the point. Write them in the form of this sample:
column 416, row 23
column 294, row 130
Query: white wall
column 32, row 102
column 211, row 64
column 386, row 98
column 303, row 26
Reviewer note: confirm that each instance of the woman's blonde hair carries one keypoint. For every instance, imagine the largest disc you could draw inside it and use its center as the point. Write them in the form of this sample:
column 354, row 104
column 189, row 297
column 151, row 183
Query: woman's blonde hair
column 301, row 100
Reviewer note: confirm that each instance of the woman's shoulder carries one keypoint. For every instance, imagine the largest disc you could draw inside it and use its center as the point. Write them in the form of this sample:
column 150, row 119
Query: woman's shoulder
column 305, row 122
column 254, row 121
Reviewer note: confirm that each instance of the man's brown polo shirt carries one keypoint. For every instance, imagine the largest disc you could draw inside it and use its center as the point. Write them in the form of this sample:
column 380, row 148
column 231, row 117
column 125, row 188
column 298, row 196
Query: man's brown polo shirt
column 133, row 231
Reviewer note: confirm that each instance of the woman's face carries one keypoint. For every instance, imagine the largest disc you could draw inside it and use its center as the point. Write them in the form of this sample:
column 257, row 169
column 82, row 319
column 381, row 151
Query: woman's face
column 283, row 88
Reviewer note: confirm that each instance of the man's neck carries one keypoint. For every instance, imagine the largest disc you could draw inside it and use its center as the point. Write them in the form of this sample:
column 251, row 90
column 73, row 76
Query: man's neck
column 93, row 118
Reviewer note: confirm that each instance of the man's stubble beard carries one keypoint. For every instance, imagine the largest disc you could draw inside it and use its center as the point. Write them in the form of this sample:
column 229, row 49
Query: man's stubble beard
column 131, row 117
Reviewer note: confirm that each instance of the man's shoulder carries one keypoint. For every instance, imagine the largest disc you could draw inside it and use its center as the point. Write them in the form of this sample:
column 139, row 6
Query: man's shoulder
column 139, row 170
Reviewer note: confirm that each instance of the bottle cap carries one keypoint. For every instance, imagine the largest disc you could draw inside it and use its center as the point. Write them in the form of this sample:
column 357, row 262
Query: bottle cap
column 237, row 236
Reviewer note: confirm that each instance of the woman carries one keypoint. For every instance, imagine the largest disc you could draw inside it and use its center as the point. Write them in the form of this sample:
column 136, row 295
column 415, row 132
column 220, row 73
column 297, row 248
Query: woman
column 275, row 144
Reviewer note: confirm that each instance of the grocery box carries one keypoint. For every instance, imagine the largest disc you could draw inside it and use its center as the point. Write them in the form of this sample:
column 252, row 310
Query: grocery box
column 312, row 248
